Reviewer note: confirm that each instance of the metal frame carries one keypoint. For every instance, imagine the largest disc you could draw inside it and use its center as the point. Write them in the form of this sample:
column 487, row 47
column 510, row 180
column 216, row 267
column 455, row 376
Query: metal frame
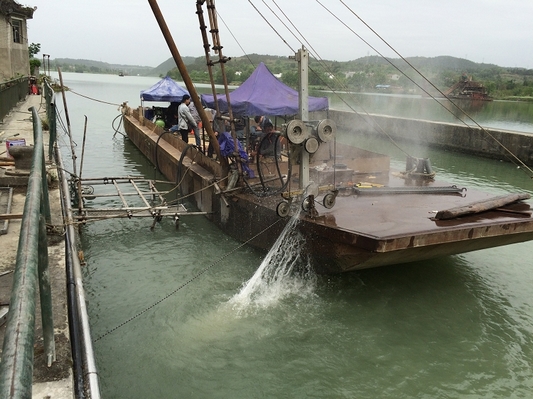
column 135, row 197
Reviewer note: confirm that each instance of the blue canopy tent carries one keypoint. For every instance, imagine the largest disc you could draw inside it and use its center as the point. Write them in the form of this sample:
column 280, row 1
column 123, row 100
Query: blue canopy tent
column 263, row 94
column 164, row 90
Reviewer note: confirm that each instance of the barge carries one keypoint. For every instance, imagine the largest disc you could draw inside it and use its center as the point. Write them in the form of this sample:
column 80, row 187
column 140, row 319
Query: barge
column 379, row 216
column 353, row 210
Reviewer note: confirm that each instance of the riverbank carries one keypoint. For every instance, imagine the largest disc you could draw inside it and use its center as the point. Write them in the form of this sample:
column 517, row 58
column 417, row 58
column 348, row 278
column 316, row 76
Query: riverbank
column 53, row 382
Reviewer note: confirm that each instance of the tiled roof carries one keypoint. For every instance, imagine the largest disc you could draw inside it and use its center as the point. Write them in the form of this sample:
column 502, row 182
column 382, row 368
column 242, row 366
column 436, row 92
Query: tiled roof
column 11, row 7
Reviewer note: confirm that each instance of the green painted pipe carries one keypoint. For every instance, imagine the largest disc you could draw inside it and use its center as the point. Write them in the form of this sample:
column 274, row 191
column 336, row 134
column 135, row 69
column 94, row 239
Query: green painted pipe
column 16, row 367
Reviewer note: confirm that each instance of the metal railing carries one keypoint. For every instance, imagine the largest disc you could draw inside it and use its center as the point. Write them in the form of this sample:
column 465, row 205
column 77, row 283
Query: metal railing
column 85, row 374
column 31, row 269
column 11, row 92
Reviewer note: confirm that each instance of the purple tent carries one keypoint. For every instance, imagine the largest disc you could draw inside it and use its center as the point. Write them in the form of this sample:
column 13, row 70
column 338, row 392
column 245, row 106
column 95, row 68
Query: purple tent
column 263, row 94
column 164, row 90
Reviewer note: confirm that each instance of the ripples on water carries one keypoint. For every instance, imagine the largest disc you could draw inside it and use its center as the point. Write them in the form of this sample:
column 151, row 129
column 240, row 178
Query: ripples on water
column 259, row 326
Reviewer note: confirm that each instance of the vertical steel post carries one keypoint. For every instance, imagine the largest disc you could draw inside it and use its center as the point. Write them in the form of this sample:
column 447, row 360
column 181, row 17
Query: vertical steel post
column 38, row 135
column 45, row 293
column 72, row 150
column 303, row 100
column 51, row 114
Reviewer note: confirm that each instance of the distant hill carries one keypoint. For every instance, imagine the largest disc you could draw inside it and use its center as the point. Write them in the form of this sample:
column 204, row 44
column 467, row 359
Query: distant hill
column 361, row 74
column 278, row 64
column 442, row 62
column 91, row 66
column 163, row 68
column 197, row 63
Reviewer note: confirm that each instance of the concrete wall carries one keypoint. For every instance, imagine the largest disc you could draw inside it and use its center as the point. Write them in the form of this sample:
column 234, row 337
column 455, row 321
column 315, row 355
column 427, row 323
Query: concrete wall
column 14, row 57
column 470, row 140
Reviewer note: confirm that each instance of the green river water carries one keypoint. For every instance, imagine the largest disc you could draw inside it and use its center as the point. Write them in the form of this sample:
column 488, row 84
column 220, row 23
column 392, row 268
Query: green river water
column 454, row 327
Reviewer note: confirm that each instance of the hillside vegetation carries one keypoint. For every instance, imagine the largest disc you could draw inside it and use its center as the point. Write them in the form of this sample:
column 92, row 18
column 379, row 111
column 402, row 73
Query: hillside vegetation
column 367, row 74
column 90, row 66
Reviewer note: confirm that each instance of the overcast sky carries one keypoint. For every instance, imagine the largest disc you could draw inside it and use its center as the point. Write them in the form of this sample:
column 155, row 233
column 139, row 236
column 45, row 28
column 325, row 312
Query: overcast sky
column 126, row 32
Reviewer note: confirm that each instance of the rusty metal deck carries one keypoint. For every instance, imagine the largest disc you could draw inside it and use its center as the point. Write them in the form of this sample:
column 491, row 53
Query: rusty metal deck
column 375, row 230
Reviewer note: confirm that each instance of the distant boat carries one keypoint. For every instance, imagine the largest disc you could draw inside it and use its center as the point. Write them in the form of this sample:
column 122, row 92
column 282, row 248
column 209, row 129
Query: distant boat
column 467, row 89
column 121, row 74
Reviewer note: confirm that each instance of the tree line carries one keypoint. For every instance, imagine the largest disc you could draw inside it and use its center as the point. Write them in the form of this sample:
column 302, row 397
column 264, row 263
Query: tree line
column 376, row 74
column 366, row 74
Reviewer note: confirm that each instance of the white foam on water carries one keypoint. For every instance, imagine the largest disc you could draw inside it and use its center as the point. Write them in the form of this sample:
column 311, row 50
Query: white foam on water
column 284, row 272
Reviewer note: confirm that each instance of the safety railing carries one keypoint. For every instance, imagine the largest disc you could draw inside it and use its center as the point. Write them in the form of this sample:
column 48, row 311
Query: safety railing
column 11, row 92
column 31, row 270
column 85, row 375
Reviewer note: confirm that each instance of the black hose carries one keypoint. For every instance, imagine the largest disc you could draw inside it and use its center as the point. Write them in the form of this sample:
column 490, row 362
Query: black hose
column 180, row 163
column 116, row 129
column 156, row 146
column 74, row 325
column 266, row 192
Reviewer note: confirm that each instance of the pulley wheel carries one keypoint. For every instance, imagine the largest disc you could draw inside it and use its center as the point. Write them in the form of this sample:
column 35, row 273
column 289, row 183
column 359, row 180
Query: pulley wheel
column 306, row 204
column 311, row 145
column 328, row 201
column 283, row 209
column 296, row 132
column 326, row 130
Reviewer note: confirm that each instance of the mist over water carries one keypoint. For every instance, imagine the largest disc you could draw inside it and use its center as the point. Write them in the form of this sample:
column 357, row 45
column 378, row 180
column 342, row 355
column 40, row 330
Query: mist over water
column 505, row 115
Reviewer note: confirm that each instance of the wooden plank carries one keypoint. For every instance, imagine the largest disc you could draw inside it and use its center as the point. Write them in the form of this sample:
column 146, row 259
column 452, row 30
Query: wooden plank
column 480, row 206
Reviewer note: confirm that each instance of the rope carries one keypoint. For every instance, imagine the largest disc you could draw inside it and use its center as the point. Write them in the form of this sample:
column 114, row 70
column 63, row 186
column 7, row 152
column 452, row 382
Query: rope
column 203, row 271
column 94, row 99
column 119, row 125
column 194, row 192
column 271, row 27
